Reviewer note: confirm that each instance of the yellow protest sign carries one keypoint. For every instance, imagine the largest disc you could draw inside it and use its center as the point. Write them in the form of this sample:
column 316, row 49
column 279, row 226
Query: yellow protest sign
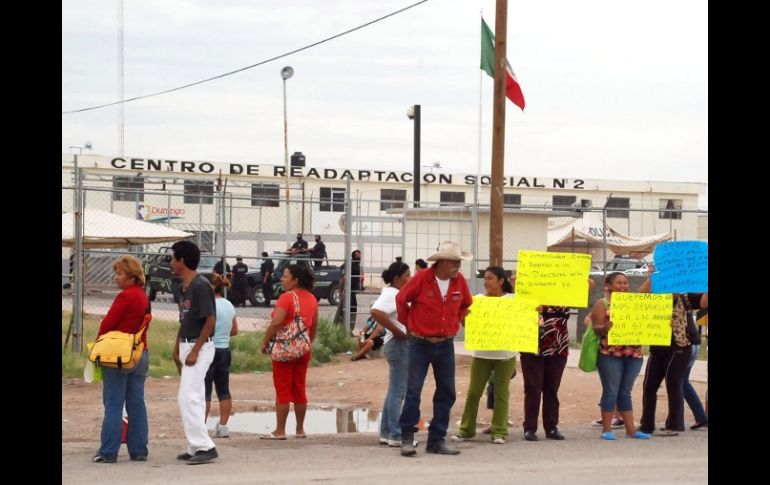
column 558, row 279
column 497, row 323
column 640, row 319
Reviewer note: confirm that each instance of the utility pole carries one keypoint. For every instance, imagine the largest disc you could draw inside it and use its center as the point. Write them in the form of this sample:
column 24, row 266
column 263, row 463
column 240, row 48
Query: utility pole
column 498, row 137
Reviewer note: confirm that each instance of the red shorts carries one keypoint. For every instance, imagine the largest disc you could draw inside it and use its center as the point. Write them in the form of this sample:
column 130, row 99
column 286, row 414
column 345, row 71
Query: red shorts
column 289, row 380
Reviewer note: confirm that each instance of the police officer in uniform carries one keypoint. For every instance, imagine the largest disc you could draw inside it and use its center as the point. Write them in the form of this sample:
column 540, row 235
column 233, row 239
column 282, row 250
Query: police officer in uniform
column 238, row 295
column 267, row 269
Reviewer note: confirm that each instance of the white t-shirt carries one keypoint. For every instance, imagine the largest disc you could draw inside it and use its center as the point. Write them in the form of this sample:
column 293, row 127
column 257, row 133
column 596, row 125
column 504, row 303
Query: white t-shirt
column 496, row 354
column 386, row 303
column 443, row 285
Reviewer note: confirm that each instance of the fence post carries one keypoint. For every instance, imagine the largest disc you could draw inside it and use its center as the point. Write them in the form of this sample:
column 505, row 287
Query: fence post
column 348, row 251
column 77, row 307
column 168, row 209
column 604, row 240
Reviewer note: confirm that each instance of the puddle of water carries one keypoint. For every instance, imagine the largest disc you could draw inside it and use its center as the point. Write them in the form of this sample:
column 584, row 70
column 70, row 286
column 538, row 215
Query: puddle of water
column 317, row 421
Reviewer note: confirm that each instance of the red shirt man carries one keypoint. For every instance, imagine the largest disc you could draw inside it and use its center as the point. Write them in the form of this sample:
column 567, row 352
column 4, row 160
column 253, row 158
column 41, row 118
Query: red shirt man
column 439, row 298
column 432, row 312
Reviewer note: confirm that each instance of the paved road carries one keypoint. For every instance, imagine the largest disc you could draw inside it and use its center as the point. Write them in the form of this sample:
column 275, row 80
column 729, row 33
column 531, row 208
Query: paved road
column 356, row 458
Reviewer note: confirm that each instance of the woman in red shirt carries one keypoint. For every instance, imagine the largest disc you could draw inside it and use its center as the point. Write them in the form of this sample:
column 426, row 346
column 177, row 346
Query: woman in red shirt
column 121, row 387
column 289, row 377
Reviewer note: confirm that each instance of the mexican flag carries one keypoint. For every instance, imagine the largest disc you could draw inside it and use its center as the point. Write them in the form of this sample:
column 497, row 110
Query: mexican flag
column 512, row 88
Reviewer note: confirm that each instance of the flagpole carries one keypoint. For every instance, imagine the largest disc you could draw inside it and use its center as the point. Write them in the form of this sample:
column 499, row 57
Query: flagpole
column 475, row 210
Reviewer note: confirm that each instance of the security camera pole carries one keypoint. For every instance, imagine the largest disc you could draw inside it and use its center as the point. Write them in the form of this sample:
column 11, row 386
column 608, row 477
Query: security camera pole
column 414, row 114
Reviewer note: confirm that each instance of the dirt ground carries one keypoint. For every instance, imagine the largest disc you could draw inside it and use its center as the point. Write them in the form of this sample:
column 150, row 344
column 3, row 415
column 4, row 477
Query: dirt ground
column 340, row 383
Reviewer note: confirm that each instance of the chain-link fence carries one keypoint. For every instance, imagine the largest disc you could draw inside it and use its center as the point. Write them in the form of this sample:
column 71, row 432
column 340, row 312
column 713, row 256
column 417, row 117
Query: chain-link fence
column 228, row 223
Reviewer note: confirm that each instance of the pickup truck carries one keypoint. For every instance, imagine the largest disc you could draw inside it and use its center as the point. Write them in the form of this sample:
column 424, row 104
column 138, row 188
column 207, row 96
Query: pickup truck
column 159, row 278
column 327, row 281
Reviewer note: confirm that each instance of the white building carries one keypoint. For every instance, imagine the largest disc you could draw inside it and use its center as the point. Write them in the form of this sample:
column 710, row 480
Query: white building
column 184, row 194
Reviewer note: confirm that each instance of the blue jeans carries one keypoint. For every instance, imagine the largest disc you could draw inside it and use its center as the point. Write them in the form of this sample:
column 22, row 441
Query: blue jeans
column 121, row 386
column 689, row 392
column 442, row 357
column 617, row 375
column 397, row 354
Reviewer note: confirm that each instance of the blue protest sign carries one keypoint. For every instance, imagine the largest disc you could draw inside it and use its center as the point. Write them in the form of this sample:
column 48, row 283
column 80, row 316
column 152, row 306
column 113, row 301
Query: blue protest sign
column 681, row 267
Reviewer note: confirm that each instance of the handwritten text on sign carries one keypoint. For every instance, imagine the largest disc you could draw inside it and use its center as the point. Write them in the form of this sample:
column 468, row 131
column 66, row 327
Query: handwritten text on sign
column 559, row 279
column 498, row 323
column 681, row 267
column 640, row 319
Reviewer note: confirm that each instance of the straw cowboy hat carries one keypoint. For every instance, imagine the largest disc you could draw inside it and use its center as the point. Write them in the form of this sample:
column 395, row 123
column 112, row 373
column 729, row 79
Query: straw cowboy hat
column 450, row 250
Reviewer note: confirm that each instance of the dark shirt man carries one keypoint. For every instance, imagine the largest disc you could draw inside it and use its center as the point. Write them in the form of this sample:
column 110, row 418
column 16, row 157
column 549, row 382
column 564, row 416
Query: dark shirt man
column 194, row 350
column 299, row 246
column 266, row 268
column 318, row 252
column 239, row 293
column 218, row 268
column 355, row 284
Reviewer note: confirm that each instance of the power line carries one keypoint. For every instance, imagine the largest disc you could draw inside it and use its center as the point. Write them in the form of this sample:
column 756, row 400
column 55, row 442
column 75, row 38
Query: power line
column 219, row 76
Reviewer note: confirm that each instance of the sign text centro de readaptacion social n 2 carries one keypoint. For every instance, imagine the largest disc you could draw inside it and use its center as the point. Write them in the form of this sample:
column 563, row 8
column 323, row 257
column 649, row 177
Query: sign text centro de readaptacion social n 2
column 157, row 165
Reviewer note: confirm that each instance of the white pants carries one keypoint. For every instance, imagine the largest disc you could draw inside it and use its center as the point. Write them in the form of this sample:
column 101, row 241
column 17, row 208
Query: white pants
column 192, row 397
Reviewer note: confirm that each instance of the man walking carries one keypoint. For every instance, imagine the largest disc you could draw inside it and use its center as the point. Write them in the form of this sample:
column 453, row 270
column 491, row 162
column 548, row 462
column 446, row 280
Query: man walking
column 194, row 350
column 439, row 298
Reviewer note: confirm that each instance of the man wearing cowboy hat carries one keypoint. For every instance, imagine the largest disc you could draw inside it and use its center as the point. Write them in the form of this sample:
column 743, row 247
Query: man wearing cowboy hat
column 439, row 298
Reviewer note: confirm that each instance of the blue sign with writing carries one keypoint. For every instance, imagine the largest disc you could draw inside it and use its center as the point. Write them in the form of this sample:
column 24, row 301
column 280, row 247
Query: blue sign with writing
column 681, row 267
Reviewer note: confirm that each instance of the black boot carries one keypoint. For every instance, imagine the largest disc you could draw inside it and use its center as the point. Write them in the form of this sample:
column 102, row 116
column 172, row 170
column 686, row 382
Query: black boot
column 407, row 444
column 439, row 448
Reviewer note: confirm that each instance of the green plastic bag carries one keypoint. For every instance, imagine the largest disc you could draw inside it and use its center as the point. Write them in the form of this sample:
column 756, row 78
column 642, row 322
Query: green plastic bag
column 91, row 372
column 589, row 351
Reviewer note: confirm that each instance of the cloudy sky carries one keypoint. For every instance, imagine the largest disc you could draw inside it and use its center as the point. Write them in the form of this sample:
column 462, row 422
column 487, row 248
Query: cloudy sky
column 614, row 90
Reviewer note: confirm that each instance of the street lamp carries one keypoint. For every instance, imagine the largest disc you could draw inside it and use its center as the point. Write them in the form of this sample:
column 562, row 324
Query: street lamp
column 86, row 146
column 77, row 295
column 286, row 73
column 413, row 113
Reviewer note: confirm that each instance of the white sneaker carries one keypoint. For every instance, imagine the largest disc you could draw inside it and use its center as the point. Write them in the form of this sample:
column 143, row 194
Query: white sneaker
column 498, row 440
column 221, row 431
column 384, row 441
column 457, row 438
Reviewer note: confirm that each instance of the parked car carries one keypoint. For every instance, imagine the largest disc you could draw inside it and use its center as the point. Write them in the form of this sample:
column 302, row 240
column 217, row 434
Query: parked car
column 159, row 278
column 627, row 266
column 636, row 272
column 327, row 279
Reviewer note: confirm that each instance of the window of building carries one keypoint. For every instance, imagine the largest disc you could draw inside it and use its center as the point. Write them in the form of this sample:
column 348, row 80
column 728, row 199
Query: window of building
column 562, row 202
column 332, row 199
column 673, row 206
column 204, row 240
column 135, row 186
column 449, row 198
column 387, row 195
column 195, row 192
column 621, row 203
column 264, row 195
column 511, row 200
